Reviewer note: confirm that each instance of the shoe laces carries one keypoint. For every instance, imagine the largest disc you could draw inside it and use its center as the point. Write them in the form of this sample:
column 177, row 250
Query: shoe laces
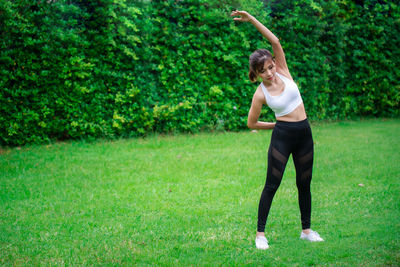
column 262, row 238
column 315, row 233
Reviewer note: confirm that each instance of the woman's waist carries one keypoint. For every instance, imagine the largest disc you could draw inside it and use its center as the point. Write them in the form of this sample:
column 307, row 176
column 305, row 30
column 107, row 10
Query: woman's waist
column 297, row 115
column 304, row 123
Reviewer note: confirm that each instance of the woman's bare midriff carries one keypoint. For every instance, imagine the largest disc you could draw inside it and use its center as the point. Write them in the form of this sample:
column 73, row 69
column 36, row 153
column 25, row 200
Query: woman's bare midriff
column 298, row 114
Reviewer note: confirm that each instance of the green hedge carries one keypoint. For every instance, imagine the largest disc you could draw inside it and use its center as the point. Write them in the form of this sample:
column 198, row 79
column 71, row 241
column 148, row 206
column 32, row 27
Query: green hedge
column 115, row 68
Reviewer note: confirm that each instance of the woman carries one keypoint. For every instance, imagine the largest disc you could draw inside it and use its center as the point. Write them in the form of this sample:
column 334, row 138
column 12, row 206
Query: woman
column 291, row 133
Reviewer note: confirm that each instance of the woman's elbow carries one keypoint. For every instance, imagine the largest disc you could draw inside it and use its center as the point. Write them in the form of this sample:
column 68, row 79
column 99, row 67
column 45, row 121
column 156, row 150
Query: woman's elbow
column 250, row 124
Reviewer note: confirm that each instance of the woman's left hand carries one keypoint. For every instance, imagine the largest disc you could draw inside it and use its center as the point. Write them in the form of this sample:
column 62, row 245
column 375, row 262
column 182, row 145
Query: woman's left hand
column 244, row 16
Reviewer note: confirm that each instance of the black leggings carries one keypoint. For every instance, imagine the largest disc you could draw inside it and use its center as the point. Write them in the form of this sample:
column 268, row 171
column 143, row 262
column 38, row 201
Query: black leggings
column 289, row 138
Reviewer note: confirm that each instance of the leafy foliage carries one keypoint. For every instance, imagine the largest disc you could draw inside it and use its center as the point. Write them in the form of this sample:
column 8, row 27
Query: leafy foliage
column 112, row 68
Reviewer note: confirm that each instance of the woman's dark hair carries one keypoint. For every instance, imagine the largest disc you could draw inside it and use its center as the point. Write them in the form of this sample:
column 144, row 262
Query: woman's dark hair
column 256, row 62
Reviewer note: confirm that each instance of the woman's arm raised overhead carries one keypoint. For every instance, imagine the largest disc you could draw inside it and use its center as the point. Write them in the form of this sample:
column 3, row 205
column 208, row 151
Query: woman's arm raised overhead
column 280, row 59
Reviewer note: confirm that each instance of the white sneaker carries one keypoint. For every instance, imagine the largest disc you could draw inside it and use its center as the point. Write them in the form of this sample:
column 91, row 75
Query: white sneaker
column 261, row 242
column 312, row 236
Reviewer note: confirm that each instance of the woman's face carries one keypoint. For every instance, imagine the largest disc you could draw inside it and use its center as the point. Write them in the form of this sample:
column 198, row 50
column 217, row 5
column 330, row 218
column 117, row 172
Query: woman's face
column 267, row 73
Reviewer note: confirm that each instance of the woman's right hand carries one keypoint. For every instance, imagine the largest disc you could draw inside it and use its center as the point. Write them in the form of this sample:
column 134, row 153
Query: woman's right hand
column 243, row 16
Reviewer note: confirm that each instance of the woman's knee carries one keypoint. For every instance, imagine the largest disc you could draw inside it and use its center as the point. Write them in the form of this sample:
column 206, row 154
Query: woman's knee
column 303, row 184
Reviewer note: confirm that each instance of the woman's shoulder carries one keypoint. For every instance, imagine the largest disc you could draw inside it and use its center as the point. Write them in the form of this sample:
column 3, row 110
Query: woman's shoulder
column 259, row 94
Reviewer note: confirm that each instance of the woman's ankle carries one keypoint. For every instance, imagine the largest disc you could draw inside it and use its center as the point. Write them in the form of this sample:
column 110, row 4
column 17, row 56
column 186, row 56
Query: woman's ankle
column 260, row 234
column 306, row 231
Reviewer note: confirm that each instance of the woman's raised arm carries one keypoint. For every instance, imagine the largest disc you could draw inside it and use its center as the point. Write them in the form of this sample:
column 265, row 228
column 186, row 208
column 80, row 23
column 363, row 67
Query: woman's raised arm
column 276, row 45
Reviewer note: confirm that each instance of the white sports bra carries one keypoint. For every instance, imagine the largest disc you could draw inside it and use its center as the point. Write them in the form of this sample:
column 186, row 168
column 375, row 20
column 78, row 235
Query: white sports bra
column 287, row 101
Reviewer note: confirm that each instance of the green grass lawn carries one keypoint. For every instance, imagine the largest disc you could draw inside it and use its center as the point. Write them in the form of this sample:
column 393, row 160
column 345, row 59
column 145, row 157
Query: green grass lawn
column 193, row 199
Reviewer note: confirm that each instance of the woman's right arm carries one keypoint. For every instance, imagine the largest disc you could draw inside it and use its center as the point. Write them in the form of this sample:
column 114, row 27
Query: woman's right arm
column 254, row 114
